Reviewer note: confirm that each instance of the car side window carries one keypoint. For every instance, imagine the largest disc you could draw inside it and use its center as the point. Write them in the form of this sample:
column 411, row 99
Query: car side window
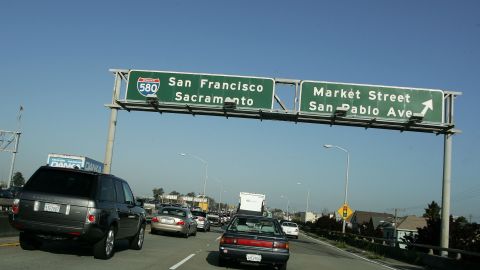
column 128, row 194
column 119, row 191
column 107, row 190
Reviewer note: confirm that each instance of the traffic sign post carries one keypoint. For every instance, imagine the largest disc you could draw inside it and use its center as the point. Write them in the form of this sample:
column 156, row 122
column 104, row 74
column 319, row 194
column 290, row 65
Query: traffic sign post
column 395, row 104
column 345, row 212
column 201, row 89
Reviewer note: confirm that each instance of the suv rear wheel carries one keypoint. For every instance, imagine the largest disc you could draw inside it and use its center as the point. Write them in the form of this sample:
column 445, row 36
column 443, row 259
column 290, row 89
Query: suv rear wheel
column 137, row 241
column 104, row 249
column 28, row 241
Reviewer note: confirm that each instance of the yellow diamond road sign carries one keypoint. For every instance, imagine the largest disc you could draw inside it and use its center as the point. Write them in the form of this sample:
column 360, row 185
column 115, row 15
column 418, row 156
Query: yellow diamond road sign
column 345, row 211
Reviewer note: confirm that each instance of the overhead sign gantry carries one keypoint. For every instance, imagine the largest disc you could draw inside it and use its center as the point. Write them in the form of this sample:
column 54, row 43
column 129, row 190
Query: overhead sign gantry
column 367, row 106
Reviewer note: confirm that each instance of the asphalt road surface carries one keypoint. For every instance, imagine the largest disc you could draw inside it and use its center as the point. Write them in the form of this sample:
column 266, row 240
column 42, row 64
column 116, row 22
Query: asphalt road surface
column 173, row 252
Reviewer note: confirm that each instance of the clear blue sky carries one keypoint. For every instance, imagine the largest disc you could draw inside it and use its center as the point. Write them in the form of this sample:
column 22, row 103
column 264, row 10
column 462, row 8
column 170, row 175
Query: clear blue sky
column 55, row 57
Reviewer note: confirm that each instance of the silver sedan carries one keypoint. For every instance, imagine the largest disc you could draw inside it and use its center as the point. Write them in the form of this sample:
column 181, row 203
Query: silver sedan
column 174, row 220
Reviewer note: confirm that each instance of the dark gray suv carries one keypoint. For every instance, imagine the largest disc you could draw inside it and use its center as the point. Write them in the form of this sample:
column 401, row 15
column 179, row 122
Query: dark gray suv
column 66, row 204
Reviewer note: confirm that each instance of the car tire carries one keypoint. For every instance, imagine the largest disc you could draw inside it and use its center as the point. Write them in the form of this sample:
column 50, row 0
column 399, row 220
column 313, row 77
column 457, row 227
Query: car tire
column 28, row 241
column 153, row 231
column 136, row 242
column 105, row 248
column 187, row 234
column 221, row 261
column 282, row 266
column 195, row 232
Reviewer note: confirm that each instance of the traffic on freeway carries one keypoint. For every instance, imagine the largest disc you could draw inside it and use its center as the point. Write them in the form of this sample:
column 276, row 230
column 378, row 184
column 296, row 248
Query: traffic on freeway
column 81, row 219
column 165, row 251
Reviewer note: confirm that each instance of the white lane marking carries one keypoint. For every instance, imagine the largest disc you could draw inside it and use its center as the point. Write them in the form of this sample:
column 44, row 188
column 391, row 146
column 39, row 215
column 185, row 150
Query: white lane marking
column 218, row 238
column 181, row 262
column 358, row 256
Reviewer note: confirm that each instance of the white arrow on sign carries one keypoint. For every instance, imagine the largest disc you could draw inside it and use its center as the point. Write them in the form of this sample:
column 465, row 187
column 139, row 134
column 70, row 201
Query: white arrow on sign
column 428, row 105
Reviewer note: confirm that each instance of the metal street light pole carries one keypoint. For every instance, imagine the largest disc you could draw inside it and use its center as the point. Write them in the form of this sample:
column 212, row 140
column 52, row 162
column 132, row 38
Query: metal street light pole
column 206, row 169
column 221, row 191
column 346, row 178
column 308, row 199
column 288, row 204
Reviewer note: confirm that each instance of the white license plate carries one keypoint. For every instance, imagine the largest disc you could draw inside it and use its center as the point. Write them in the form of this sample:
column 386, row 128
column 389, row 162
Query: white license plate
column 254, row 257
column 50, row 207
column 166, row 221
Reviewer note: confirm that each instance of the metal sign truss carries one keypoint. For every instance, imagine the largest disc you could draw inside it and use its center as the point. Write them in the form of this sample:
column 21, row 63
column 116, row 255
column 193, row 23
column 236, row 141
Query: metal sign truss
column 284, row 113
column 336, row 116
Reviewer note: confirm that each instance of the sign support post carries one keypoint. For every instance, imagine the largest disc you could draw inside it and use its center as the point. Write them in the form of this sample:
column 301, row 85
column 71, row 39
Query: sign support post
column 113, row 123
column 447, row 174
column 447, row 163
column 14, row 154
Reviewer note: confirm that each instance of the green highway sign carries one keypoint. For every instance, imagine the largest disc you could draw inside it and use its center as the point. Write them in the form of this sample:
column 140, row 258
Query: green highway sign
column 371, row 101
column 201, row 89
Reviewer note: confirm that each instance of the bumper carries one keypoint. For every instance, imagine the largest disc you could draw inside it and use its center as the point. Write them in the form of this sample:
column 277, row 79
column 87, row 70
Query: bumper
column 90, row 233
column 169, row 228
column 292, row 234
column 279, row 256
column 202, row 225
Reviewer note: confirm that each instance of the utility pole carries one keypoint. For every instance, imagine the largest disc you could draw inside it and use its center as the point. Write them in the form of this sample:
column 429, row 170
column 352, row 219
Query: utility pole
column 395, row 225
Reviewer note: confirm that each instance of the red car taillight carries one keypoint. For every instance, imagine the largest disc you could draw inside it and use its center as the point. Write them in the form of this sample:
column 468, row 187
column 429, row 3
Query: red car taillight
column 154, row 219
column 91, row 216
column 228, row 240
column 255, row 243
column 283, row 245
column 16, row 206
column 181, row 222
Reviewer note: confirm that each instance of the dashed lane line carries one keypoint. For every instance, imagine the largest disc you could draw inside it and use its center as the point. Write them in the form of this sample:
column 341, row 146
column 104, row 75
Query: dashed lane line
column 181, row 262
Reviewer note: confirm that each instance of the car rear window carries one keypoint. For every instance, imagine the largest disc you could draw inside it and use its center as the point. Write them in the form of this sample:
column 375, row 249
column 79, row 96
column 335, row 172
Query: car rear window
column 254, row 225
column 289, row 224
column 173, row 212
column 61, row 182
column 199, row 214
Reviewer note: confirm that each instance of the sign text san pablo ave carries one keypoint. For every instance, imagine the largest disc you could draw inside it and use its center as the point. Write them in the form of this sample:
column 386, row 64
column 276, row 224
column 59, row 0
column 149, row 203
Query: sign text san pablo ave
column 371, row 101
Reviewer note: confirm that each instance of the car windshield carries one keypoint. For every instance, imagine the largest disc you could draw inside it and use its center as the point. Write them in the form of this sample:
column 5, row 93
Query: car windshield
column 173, row 212
column 289, row 224
column 254, row 225
column 68, row 183
column 199, row 214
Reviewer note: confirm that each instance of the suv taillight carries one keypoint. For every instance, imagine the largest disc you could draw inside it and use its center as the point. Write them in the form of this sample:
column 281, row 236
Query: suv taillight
column 91, row 216
column 16, row 206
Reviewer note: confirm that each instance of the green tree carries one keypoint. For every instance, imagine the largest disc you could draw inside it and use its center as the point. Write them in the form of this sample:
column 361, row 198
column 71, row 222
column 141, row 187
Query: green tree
column 432, row 212
column 191, row 194
column 429, row 235
column 157, row 192
column 18, row 180
column 174, row 193
column 327, row 223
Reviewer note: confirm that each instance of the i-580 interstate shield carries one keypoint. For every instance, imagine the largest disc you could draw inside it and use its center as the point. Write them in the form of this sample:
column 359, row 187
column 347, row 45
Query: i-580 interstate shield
column 201, row 89
column 390, row 103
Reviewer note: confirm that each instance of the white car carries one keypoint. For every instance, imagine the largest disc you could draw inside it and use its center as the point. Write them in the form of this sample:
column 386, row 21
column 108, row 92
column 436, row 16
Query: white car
column 290, row 229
